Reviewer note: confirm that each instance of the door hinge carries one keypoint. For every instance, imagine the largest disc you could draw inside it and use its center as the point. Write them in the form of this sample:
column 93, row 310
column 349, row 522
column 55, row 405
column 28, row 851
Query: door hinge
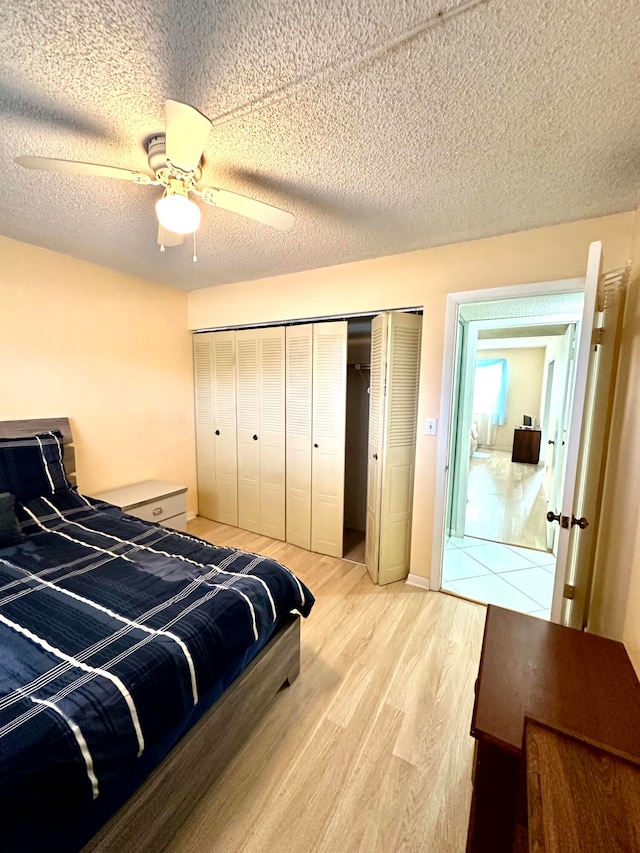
column 568, row 591
column 597, row 336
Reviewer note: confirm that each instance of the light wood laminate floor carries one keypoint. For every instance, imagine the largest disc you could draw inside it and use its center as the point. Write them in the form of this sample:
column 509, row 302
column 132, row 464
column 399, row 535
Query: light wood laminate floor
column 369, row 749
column 505, row 501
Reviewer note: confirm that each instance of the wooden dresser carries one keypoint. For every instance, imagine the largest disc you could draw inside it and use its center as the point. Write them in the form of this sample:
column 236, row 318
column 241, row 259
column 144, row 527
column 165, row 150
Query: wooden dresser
column 568, row 679
column 526, row 445
column 581, row 797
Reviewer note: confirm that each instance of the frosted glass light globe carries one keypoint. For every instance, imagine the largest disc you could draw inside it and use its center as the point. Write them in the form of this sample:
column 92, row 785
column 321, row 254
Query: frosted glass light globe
column 177, row 213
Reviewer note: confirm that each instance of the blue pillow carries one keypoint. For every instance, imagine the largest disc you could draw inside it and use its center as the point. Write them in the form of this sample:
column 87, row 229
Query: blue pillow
column 32, row 466
column 9, row 528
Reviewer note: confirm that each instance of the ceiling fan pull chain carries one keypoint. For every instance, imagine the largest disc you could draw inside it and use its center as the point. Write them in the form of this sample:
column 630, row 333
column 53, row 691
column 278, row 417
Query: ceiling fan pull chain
column 195, row 257
column 162, row 248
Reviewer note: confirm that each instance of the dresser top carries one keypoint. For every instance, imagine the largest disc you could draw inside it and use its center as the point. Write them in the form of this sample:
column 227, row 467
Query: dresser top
column 127, row 497
column 564, row 677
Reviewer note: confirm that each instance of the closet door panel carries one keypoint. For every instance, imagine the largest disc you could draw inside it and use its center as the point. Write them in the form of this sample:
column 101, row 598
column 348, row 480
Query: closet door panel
column 271, row 439
column 248, row 425
column 205, row 447
column 225, row 434
column 375, row 445
column 299, row 355
column 399, row 445
column 328, row 434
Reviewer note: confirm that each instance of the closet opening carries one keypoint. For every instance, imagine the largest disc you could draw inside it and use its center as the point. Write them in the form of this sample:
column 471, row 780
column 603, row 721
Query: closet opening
column 356, row 437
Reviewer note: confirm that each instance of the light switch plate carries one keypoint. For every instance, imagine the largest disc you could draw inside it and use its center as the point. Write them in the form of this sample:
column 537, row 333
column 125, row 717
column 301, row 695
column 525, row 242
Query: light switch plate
column 430, row 426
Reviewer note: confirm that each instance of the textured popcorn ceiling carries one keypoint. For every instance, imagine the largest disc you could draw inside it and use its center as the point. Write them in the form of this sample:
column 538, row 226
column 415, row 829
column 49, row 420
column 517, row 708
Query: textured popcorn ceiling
column 506, row 116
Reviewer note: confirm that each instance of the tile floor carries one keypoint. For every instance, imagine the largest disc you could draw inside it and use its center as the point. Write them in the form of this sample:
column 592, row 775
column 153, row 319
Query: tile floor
column 507, row 575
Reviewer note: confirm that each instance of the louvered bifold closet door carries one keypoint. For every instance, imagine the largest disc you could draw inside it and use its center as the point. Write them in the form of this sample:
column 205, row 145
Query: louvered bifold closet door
column 374, row 451
column 205, row 446
column 248, row 415
column 399, row 445
column 271, row 436
column 224, row 434
column 328, row 437
column 299, row 359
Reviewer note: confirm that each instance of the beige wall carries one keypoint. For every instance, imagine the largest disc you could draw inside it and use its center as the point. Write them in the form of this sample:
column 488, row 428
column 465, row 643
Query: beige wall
column 525, row 365
column 422, row 278
column 110, row 351
column 617, row 581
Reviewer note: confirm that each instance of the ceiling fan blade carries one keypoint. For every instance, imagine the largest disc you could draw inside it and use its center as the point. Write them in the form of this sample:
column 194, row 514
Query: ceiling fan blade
column 266, row 213
column 186, row 132
column 168, row 238
column 74, row 167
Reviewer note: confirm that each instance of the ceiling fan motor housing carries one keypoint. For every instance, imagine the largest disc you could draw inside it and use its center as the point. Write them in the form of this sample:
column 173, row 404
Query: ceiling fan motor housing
column 157, row 153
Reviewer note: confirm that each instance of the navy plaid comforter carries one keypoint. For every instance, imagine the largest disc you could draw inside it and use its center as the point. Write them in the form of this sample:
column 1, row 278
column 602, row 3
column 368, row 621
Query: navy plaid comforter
column 110, row 630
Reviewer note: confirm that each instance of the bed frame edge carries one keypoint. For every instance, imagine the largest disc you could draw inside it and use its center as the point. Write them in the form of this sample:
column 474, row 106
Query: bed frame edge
column 148, row 820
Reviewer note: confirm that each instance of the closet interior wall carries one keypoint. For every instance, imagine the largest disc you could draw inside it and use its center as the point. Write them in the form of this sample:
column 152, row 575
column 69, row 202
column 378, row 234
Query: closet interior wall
column 357, row 432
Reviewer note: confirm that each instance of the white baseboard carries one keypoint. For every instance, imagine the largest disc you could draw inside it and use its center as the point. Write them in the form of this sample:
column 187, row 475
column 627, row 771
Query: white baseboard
column 418, row 580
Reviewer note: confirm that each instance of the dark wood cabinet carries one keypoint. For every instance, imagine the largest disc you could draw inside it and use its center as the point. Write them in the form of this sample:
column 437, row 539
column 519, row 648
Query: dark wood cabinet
column 529, row 667
column 526, row 445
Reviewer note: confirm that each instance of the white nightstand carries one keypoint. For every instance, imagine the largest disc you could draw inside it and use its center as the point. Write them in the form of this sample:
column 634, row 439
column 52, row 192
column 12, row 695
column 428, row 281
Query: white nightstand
column 154, row 500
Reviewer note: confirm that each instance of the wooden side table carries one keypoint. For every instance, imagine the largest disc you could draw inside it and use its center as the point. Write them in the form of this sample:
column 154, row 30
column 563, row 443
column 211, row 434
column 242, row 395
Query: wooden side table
column 529, row 667
column 153, row 500
column 526, row 445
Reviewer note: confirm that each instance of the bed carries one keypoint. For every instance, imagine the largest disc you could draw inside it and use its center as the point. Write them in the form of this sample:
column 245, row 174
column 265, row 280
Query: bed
column 136, row 659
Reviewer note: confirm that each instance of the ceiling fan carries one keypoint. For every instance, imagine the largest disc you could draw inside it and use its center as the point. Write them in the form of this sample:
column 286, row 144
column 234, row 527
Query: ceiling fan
column 174, row 158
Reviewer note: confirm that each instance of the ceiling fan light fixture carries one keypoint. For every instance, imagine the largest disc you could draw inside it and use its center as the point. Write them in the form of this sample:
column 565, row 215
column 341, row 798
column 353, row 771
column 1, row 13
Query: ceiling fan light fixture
column 175, row 210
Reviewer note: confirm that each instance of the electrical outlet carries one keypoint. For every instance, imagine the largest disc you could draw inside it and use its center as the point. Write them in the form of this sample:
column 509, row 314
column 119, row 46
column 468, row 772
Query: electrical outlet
column 430, row 426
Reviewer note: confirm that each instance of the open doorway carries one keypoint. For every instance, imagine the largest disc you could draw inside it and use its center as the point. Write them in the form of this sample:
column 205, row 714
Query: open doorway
column 512, row 394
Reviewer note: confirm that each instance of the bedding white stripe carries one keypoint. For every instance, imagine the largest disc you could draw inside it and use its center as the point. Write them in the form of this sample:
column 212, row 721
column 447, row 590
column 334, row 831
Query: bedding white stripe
column 43, row 679
column 46, row 465
column 259, row 557
column 59, row 443
column 167, row 554
column 76, row 541
column 80, row 740
column 40, row 641
column 50, row 569
column 84, row 679
column 55, row 672
column 132, row 622
column 88, row 503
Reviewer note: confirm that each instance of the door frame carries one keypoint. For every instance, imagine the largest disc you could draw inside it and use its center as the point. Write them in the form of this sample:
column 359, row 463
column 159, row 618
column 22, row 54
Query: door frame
column 454, row 301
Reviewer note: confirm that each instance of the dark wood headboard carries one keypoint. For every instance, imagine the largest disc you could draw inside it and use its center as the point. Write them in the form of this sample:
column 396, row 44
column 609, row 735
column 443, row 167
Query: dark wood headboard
column 16, row 429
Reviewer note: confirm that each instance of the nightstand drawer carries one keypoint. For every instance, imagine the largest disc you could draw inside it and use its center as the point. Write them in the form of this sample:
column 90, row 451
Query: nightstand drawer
column 161, row 509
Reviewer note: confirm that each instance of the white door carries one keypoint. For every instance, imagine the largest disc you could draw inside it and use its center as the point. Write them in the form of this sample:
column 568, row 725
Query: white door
column 205, row 446
column 399, row 445
column 558, row 429
column 299, row 378
column 328, row 436
column 581, row 510
column 376, row 436
column 224, row 428
column 461, row 429
column 271, row 435
column 248, row 415
column 577, row 445
column 261, row 436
